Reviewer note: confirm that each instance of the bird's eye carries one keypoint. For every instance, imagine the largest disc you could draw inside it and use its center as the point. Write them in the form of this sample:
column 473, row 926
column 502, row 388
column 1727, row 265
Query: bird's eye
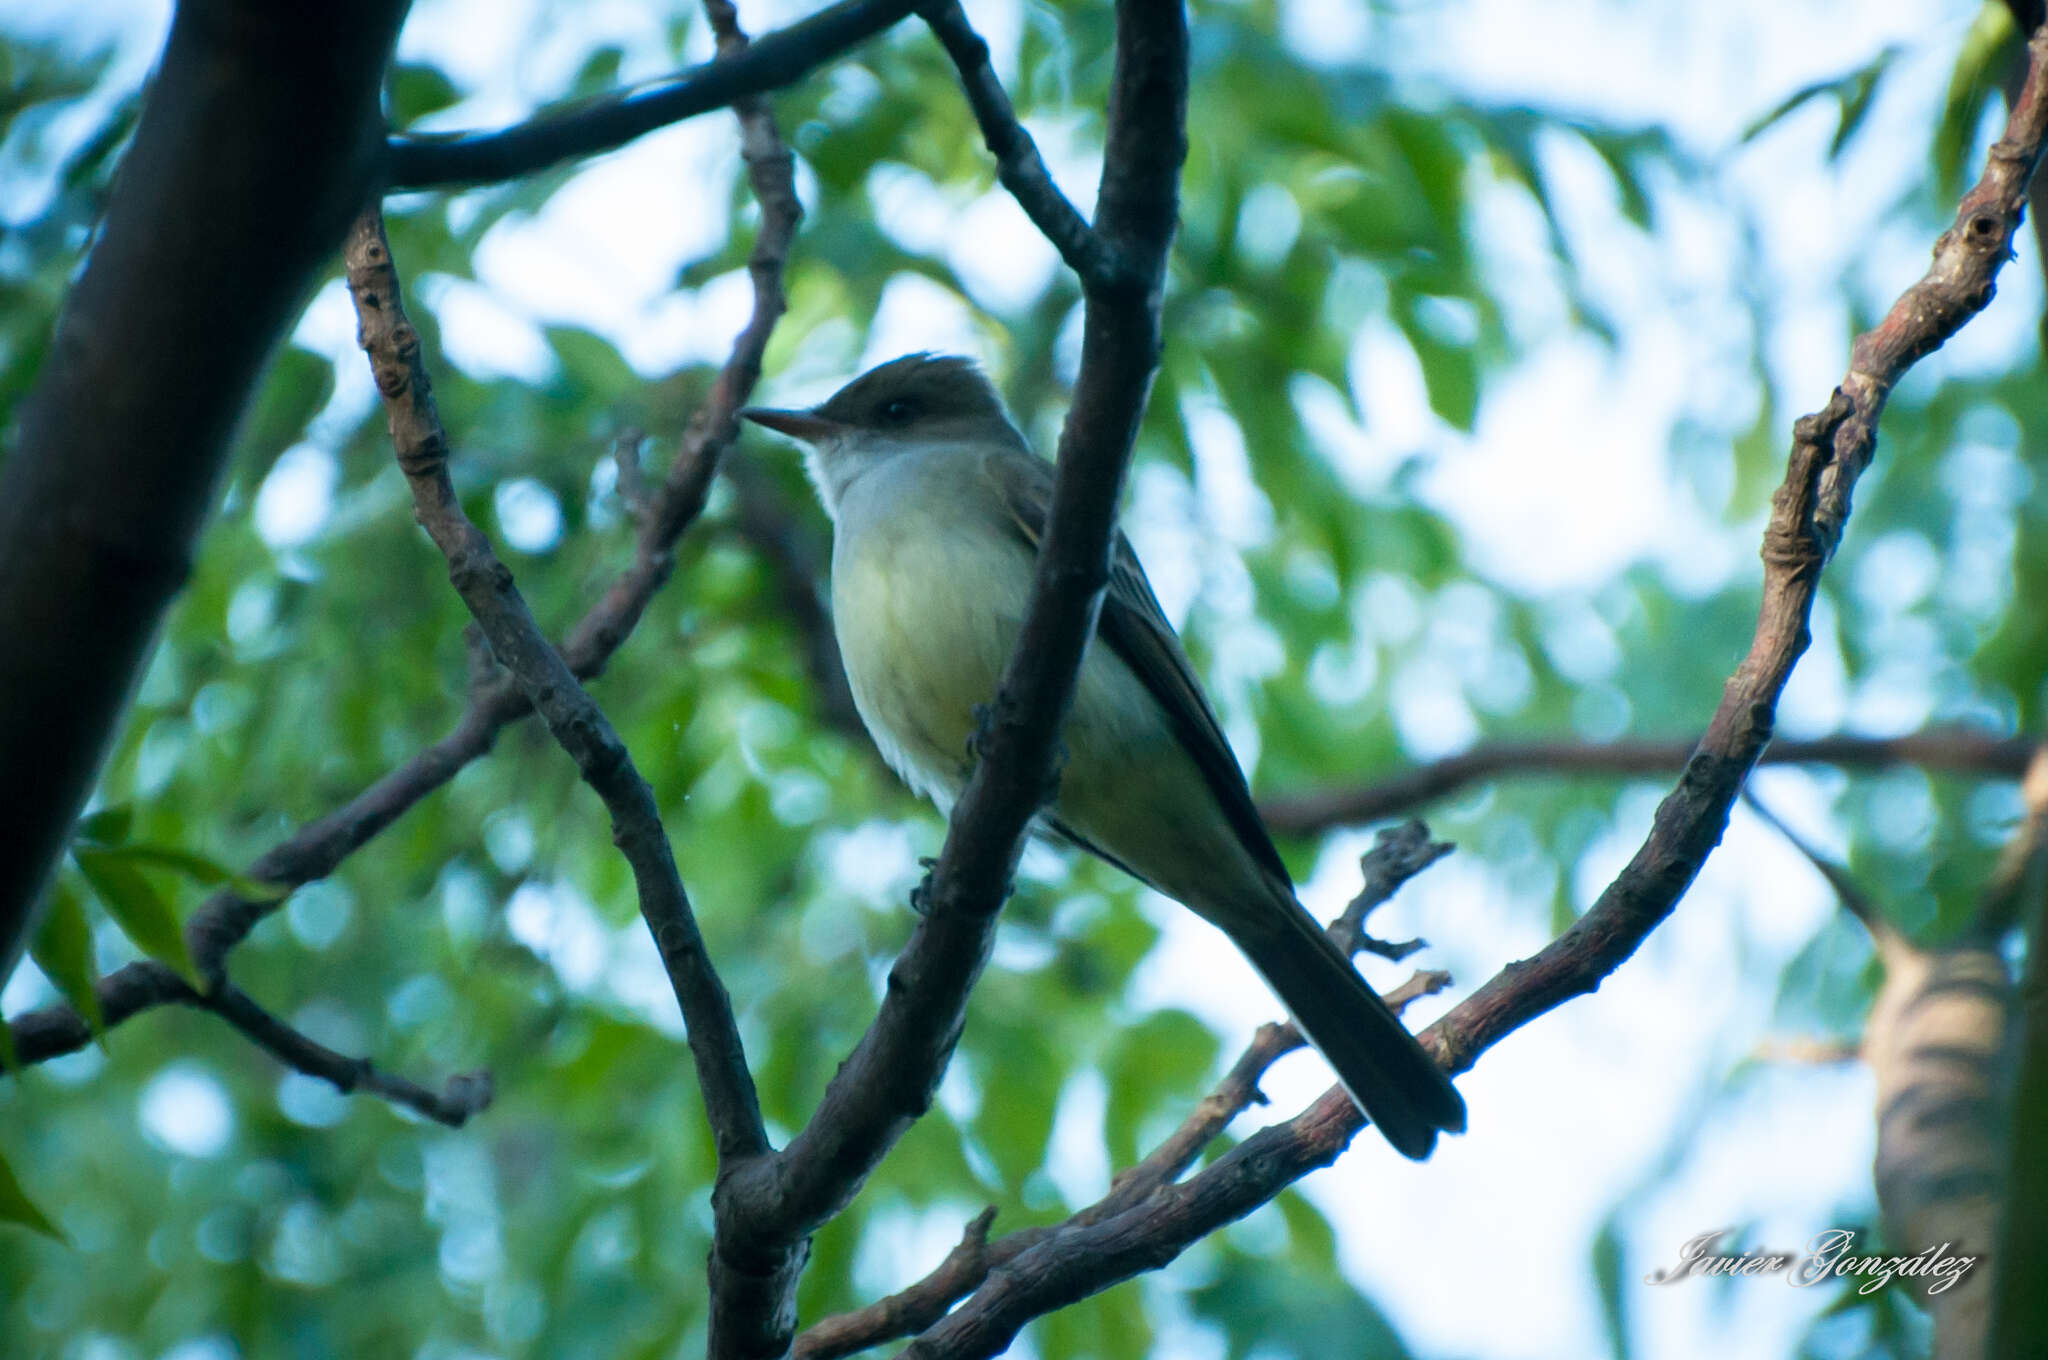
column 899, row 410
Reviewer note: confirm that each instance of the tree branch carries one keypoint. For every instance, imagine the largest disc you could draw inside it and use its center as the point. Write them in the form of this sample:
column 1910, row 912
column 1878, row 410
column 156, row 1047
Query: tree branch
column 1398, row 854
column 1018, row 164
column 1830, row 450
column 257, row 140
column 128, row 991
column 466, row 1094
column 767, row 1207
column 315, row 850
column 1306, row 814
column 544, row 676
column 425, row 161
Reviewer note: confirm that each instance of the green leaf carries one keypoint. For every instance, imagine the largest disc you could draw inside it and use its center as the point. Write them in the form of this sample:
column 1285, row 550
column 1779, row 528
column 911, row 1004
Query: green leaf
column 108, row 826
column 137, row 907
column 1609, row 1260
column 417, row 91
column 201, row 870
column 1970, row 87
column 17, row 1207
column 62, row 948
column 1852, row 93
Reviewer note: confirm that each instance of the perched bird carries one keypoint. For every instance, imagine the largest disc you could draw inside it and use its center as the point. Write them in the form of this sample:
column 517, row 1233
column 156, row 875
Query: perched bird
column 938, row 506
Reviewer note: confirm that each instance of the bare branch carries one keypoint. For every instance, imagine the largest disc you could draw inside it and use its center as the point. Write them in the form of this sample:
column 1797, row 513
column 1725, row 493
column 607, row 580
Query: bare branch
column 1018, row 163
column 1830, row 450
column 466, row 1094
column 494, row 699
column 1860, row 903
column 772, row 61
column 572, row 717
column 1305, row 814
column 910, row 1311
column 127, row 991
column 767, row 1208
column 1398, row 854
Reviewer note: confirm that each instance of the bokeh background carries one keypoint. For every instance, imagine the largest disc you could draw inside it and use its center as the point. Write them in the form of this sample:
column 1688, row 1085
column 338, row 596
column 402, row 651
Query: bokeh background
column 1487, row 326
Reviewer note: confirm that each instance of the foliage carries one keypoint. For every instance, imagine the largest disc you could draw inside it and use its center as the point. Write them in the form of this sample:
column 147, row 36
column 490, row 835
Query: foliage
column 493, row 926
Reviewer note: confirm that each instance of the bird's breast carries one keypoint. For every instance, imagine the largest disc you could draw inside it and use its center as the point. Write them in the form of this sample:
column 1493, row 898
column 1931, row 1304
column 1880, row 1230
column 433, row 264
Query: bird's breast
column 926, row 611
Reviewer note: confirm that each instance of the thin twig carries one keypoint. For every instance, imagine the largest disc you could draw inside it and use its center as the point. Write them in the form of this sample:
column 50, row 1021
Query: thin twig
column 1018, row 164
column 910, row 1310
column 571, row 716
column 136, row 987
column 494, row 699
column 426, row 161
column 466, row 1094
column 1851, row 893
column 1943, row 748
column 1398, row 854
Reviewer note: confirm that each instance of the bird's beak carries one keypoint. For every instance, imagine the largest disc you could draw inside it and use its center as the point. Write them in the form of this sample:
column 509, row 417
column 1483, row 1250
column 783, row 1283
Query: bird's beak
column 808, row 426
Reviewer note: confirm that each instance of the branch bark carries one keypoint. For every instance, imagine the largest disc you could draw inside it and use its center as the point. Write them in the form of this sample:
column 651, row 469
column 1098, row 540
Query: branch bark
column 136, row 987
column 766, row 1208
column 1830, row 450
column 426, row 161
column 258, row 140
column 494, row 698
column 1018, row 164
column 1398, row 854
column 1951, row 749
column 544, row 677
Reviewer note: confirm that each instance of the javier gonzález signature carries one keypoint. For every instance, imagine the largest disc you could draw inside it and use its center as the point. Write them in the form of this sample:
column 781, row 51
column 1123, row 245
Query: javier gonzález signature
column 1829, row 1256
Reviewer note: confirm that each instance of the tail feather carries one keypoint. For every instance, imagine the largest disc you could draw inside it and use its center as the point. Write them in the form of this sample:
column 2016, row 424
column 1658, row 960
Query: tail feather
column 1389, row 1076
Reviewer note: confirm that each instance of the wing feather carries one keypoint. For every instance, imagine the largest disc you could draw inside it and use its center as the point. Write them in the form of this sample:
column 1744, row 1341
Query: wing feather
column 1135, row 627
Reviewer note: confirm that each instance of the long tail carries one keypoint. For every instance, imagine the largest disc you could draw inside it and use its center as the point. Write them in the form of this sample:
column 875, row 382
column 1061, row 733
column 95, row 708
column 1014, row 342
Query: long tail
column 1396, row 1083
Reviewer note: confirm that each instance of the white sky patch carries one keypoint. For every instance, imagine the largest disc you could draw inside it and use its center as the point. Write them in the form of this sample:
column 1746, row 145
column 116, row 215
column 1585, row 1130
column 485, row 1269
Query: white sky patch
column 1076, row 1162
column 917, row 314
column 1558, row 487
column 605, row 251
column 528, row 514
column 558, row 925
column 1002, row 259
column 482, row 335
column 184, row 1110
column 296, row 497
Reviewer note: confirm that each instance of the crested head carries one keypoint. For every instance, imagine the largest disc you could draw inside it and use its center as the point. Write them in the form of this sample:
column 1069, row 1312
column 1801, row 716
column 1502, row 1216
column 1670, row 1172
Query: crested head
column 918, row 404
column 916, row 392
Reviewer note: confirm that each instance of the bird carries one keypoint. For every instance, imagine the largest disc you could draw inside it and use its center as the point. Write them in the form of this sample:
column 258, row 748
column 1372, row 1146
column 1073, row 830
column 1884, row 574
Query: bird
column 938, row 507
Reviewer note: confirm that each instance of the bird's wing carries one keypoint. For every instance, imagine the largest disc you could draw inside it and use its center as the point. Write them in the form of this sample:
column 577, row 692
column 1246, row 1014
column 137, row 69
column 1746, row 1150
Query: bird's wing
column 1136, row 629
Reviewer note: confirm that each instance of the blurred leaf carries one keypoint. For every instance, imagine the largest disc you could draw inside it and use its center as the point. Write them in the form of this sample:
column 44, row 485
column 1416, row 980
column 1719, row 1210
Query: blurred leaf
column 201, row 870
column 107, row 826
column 143, row 913
column 1266, row 1311
column 1610, row 1259
column 62, row 948
column 16, row 1207
column 417, row 90
column 1980, row 67
column 1852, row 94
column 298, row 384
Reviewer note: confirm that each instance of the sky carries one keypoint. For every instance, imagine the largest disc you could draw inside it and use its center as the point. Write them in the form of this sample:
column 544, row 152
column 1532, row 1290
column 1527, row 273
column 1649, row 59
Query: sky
column 1563, row 484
